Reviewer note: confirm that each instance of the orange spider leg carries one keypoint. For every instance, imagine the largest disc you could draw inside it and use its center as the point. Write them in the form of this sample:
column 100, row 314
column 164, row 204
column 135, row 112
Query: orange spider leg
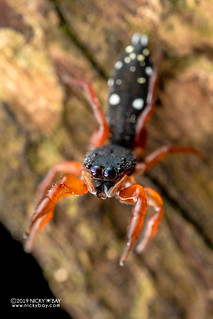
column 140, row 143
column 156, row 156
column 68, row 185
column 68, row 167
column 154, row 200
column 151, row 97
column 99, row 137
column 134, row 194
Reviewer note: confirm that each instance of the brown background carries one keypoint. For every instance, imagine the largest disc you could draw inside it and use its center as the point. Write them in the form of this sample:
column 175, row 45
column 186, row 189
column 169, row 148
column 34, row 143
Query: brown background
column 41, row 123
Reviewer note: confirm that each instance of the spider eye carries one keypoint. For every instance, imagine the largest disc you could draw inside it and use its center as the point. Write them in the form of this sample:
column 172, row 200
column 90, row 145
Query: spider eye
column 110, row 173
column 120, row 170
column 96, row 171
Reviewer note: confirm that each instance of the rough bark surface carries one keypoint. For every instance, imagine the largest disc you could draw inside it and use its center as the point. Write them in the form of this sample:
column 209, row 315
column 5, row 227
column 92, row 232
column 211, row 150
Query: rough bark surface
column 41, row 123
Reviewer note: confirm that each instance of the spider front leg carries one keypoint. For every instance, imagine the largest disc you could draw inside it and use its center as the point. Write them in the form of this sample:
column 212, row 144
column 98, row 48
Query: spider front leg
column 141, row 197
column 68, row 185
column 65, row 167
column 154, row 200
column 99, row 137
column 134, row 194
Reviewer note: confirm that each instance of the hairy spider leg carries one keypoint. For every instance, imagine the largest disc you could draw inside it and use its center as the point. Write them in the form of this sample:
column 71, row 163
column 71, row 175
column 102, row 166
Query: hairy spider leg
column 156, row 156
column 65, row 167
column 140, row 133
column 154, row 200
column 99, row 137
column 134, row 194
column 68, row 185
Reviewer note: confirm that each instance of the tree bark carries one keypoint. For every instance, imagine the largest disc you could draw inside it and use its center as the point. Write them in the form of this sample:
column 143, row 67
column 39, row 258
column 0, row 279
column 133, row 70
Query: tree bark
column 42, row 123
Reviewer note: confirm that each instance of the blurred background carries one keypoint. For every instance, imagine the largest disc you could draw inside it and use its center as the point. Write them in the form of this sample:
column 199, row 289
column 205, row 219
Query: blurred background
column 76, row 257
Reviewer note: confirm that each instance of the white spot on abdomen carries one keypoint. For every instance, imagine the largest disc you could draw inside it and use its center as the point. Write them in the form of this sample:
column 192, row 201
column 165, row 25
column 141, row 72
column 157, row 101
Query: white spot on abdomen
column 133, row 118
column 132, row 55
column 136, row 38
column 129, row 48
column 146, row 51
column 110, row 82
column 118, row 65
column 132, row 68
column 148, row 70
column 144, row 40
column 127, row 59
column 114, row 99
column 141, row 80
column 138, row 104
column 140, row 57
column 142, row 64
column 118, row 81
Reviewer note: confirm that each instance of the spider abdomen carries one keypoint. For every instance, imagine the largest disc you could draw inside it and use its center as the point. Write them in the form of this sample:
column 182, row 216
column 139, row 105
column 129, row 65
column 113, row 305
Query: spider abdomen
column 128, row 91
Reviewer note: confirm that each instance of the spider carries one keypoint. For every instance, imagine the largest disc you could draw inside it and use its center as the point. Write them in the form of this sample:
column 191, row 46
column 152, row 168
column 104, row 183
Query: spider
column 116, row 149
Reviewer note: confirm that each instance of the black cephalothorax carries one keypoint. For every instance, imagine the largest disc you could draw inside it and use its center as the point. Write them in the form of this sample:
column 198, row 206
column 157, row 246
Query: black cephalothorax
column 106, row 165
